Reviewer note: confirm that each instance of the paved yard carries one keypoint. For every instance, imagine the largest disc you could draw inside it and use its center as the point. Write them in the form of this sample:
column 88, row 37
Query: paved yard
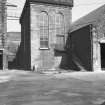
column 38, row 89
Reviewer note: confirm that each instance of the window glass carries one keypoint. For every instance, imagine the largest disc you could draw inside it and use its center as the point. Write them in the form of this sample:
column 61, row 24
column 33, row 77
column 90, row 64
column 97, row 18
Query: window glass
column 60, row 39
column 43, row 25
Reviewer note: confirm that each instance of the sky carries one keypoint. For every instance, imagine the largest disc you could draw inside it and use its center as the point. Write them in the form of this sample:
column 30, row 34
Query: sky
column 80, row 8
column 14, row 25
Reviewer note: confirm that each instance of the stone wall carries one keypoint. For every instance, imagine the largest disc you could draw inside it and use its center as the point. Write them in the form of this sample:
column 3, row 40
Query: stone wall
column 23, row 57
column 45, row 59
column 98, row 38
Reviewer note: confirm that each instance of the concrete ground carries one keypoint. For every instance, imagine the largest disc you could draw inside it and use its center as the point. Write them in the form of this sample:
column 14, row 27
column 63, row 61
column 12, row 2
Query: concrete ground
column 30, row 88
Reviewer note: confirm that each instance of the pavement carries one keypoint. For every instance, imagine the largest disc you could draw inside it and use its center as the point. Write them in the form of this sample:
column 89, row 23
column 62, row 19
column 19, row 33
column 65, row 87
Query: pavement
column 85, row 76
column 66, row 88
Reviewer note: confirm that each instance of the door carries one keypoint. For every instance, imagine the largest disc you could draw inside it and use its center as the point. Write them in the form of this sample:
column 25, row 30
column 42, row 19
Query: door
column 102, row 55
column 1, row 62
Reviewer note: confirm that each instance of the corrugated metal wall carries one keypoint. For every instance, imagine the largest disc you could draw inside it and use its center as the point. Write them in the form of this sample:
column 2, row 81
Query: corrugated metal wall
column 81, row 46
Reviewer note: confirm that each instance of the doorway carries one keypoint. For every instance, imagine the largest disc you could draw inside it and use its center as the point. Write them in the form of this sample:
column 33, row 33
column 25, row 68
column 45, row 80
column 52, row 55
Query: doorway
column 102, row 45
column 1, row 62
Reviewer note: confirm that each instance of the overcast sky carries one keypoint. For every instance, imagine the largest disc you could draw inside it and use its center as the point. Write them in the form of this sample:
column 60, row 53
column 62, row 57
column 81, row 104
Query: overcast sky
column 81, row 8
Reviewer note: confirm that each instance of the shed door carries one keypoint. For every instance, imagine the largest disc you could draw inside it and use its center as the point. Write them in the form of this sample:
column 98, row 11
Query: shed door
column 103, row 55
column 1, row 62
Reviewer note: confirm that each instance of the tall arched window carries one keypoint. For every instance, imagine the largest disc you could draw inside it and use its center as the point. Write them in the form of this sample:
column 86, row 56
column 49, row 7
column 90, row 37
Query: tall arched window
column 44, row 32
column 60, row 37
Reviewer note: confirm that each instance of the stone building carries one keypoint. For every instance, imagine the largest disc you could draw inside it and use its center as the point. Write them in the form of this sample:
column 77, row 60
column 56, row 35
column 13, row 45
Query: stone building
column 87, row 41
column 13, row 42
column 44, row 28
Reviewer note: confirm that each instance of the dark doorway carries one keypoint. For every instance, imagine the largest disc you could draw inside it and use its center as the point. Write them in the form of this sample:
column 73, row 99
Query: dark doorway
column 102, row 55
column 1, row 62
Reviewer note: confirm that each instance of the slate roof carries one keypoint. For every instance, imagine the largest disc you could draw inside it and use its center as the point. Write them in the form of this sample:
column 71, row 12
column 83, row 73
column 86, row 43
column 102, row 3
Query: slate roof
column 88, row 19
column 59, row 2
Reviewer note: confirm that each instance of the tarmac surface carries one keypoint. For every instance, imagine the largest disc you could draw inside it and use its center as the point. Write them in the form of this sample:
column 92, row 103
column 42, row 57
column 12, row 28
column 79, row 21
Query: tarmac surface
column 31, row 88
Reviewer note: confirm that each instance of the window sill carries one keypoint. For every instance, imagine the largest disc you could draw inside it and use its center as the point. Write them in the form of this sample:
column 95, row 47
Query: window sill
column 44, row 48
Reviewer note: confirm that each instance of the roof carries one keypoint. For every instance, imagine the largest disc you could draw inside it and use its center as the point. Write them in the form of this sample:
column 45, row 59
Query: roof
column 88, row 19
column 57, row 2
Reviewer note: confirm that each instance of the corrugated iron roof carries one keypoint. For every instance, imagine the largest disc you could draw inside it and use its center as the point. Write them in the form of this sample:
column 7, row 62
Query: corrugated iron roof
column 88, row 19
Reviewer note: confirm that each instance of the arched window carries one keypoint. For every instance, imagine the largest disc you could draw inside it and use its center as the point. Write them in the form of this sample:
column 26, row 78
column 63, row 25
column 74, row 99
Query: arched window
column 44, row 32
column 60, row 37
